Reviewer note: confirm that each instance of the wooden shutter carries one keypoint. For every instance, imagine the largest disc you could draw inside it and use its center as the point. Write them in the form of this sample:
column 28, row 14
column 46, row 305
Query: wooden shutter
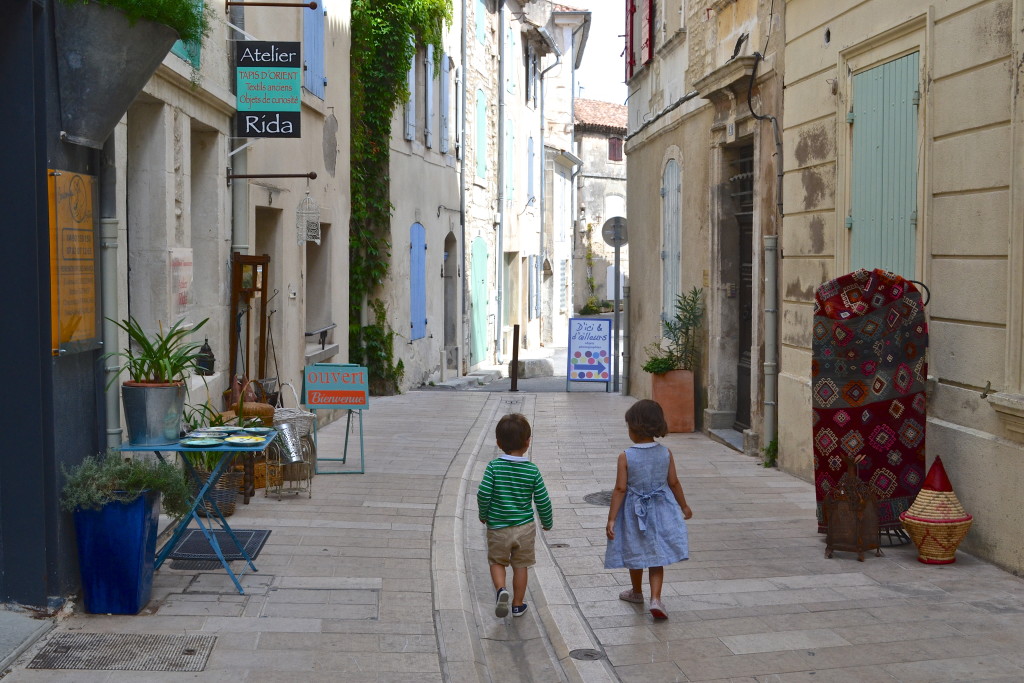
column 481, row 134
column 630, row 62
column 428, row 98
column 417, row 281
column 314, row 77
column 883, row 184
column 445, row 101
column 671, row 237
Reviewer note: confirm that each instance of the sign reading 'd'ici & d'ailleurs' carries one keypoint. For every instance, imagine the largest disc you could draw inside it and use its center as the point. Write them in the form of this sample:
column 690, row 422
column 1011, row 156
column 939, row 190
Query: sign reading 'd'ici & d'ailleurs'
column 268, row 79
column 336, row 385
column 590, row 350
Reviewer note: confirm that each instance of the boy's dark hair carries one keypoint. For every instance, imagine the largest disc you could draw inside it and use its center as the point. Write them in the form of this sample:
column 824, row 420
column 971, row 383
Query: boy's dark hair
column 646, row 418
column 512, row 432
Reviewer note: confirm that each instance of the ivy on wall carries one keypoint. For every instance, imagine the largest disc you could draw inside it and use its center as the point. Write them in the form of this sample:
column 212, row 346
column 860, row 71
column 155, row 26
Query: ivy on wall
column 385, row 34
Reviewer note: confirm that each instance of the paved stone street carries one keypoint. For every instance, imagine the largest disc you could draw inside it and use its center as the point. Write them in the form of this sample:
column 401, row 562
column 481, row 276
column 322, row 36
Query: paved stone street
column 382, row 576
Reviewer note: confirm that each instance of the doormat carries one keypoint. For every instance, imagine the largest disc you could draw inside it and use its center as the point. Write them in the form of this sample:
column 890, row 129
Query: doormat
column 194, row 546
column 124, row 652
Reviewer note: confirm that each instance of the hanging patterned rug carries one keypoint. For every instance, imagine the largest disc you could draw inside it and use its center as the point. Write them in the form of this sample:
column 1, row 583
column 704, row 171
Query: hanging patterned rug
column 868, row 374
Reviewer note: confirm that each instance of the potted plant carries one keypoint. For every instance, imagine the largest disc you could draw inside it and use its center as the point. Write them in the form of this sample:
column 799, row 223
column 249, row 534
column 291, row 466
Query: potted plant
column 116, row 506
column 157, row 366
column 672, row 361
column 108, row 49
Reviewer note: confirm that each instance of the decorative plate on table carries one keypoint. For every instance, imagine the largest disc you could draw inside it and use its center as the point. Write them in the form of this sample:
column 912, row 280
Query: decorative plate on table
column 258, row 430
column 198, row 442
column 245, row 440
column 205, row 434
column 224, row 429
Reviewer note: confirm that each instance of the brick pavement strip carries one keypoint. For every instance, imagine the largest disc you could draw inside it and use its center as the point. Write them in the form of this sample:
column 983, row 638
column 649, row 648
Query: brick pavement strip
column 381, row 577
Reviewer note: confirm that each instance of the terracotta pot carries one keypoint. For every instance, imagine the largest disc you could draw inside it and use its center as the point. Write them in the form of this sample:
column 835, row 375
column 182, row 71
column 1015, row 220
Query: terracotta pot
column 673, row 391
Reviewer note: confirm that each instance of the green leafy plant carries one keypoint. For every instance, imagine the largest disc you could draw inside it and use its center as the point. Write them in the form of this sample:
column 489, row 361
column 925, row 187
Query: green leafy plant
column 678, row 349
column 158, row 359
column 385, row 34
column 770, row 454
column 375, row 344
column 188, row 17
column 110, row 477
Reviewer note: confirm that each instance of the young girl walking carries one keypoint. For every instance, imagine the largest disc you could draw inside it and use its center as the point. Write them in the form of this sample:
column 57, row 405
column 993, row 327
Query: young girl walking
column 646, row 527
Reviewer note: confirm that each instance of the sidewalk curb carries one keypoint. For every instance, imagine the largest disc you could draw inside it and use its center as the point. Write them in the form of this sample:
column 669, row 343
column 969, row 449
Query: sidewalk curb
column 459, row 646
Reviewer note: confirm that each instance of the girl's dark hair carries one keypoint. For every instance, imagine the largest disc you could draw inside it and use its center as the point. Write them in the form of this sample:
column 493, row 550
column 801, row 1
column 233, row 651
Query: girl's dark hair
column 646, row 418
column 512, row 432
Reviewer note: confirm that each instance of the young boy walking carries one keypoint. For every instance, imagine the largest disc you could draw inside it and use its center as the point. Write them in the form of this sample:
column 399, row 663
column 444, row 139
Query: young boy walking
column 511, row 487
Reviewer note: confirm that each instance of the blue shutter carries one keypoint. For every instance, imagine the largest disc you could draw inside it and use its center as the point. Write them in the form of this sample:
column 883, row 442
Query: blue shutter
column 883, row 183
column 314, row 76
column 410, row 104
column 671, row 226
column 417, row 281
column 428, row 98
column 481, row 134
column 445, row 101
column 530, row 162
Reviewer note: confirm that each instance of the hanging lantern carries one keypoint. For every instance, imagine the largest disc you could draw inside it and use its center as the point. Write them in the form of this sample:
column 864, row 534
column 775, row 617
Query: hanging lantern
column 307, row 221
column 205, row 359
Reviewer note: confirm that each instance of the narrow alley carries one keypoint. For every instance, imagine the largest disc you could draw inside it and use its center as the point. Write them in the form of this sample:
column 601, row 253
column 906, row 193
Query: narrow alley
column 381, row 576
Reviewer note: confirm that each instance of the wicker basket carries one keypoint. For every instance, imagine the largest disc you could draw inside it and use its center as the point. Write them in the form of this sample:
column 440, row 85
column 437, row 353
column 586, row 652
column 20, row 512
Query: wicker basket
column 936, row 522
column 301, row 420
column 264, row 411
column 224, row 492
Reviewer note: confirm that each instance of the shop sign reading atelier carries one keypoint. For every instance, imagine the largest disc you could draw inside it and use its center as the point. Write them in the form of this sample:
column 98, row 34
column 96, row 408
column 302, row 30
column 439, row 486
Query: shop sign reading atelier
column 268, row 80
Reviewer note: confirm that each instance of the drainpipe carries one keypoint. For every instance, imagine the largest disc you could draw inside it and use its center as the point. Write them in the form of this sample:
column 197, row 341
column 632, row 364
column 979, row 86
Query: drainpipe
column 500, row 214
column 108, row 289
column 543, row 163
column 460, row 83
column 771, row 303
column 239, row 166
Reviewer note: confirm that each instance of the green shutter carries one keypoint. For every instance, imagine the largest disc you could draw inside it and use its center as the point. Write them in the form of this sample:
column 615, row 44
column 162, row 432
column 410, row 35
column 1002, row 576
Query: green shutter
column 884, row 168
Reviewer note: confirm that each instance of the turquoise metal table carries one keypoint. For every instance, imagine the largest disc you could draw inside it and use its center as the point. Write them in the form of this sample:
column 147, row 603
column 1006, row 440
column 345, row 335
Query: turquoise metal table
column 227, row 454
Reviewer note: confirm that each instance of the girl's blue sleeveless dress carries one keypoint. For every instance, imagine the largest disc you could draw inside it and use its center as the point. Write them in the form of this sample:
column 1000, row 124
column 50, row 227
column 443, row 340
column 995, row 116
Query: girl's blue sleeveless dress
column 649, row 530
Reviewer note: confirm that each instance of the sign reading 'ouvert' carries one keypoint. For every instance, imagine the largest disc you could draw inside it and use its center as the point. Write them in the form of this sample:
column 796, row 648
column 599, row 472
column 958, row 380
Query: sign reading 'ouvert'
column 268, row 79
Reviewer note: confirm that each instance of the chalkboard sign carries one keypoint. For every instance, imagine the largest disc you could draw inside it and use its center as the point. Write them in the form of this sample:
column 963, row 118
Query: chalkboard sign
column 335, row 385
column 590, row 350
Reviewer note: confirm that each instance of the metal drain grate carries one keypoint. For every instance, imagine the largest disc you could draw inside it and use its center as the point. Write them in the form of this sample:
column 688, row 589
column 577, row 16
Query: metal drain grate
column 586, row 654
column 124, row 652
column 599, row 498
column 195, row 565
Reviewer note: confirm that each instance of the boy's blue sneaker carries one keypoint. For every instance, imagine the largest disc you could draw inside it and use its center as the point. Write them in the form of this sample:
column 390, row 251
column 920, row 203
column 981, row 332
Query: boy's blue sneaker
column 519, row 610
column 501, row 604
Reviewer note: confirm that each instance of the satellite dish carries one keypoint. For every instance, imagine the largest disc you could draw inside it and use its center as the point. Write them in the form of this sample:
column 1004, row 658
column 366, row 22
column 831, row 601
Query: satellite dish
column 614, row 231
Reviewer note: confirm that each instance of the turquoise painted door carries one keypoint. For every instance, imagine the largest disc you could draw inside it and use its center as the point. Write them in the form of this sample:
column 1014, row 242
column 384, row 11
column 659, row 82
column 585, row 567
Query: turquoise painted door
column 478, row 294
column 883, row 203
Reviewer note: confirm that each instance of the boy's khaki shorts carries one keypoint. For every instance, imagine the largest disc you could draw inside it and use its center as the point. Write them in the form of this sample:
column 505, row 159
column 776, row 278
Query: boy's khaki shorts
column 512, row 545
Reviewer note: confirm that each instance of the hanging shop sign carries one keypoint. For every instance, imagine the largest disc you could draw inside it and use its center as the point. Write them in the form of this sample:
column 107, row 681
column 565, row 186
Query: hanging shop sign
column 268, row 80
column 74, row 315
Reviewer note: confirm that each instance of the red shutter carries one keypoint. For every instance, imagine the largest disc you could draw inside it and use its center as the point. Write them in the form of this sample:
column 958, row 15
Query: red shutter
column 630, row 61
column 649, row 32
column 645, row 31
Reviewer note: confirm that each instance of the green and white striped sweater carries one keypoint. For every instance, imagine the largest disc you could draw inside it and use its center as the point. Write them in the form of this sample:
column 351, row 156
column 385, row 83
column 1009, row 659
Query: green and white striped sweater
column 510, row 488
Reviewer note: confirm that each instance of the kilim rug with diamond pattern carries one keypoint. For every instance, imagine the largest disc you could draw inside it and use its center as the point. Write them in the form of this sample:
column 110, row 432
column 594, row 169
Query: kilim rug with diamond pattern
column 868, row 373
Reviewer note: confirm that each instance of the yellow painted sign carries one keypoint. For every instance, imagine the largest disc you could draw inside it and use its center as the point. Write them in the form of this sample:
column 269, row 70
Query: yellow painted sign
column 73, row 268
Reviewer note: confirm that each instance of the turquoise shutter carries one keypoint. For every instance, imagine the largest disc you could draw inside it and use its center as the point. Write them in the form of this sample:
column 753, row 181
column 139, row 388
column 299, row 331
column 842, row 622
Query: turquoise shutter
column 481, row 21
column 478, row 296
column 191, row 51
column 883, row 184
column 481, row 134
column 417, row 281
column 314, row 77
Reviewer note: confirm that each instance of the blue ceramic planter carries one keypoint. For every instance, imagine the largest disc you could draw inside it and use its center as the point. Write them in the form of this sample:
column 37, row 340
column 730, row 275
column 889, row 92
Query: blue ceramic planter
column 116, row 552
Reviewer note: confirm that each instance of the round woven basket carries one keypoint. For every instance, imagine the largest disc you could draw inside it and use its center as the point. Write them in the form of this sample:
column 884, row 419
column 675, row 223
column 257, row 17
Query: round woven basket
column 936, row 523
